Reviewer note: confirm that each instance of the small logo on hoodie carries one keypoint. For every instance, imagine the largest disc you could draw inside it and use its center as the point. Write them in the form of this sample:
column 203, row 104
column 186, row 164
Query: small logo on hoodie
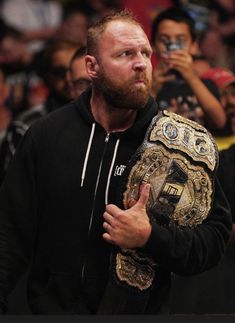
column 119, row 170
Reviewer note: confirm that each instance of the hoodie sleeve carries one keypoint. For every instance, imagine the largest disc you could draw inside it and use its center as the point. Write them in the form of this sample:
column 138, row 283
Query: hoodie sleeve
column 17, row 217
column 187, row 251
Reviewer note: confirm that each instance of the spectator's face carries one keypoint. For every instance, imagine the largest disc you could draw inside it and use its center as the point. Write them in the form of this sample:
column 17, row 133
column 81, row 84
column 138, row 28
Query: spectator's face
column 228, row 97
column 123, row 65
column 59, row 68
column 228, row 102
column 78, row 78
column 11, row 50
column 171, row 31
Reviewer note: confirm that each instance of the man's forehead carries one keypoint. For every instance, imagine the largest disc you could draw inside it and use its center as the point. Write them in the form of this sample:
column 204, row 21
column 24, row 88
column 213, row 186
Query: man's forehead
column 124, row 32
column 121, row 24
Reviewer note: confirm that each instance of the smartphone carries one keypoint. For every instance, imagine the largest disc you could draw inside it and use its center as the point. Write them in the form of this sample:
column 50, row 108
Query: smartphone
column 172, row 46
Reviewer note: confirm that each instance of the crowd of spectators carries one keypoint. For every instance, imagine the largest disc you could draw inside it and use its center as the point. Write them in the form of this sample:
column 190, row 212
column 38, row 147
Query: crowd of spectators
column 41, row 42
column 28, row 27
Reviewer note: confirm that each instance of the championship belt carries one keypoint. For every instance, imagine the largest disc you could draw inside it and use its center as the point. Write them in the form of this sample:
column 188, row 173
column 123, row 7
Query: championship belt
column 178, row 157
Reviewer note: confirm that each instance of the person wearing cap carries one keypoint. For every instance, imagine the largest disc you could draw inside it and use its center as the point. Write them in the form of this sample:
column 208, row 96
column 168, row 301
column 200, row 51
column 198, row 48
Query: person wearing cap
column 218, row 282
column 225, row 81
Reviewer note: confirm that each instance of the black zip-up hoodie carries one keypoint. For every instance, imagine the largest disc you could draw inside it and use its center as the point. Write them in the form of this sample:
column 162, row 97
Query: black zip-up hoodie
column 52, row 202
column 51, row 213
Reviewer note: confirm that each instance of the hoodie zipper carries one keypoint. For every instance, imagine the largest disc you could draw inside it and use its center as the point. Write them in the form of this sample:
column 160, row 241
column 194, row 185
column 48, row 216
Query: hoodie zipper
column 94, row 199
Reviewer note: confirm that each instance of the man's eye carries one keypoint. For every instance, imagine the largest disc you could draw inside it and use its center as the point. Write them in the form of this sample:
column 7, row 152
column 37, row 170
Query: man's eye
column 146, row 54
column 126, row 53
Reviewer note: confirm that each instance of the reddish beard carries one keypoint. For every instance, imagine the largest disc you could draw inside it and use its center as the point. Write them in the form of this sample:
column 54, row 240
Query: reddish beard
column 126, row 94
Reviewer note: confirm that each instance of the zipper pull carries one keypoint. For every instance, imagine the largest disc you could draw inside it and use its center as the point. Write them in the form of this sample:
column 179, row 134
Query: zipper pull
column 107, row 138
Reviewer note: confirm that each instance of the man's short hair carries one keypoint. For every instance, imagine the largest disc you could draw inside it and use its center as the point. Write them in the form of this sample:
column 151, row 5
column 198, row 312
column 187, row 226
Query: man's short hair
column 177, row 15
column 96, row 30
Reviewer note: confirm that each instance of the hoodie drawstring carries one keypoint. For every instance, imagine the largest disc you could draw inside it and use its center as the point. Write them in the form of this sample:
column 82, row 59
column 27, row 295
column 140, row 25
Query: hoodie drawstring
column 87, row 154
column 86, row 161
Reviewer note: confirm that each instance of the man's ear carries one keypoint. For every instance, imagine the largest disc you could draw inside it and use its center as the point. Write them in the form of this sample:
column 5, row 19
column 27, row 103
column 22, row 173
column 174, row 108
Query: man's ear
column 92, row 66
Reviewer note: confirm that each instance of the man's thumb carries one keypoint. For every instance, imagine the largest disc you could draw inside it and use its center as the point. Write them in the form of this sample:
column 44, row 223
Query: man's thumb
column 144, row 195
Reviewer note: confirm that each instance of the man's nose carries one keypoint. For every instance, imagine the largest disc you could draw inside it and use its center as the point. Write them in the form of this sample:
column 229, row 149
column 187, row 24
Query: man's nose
column 140, row 63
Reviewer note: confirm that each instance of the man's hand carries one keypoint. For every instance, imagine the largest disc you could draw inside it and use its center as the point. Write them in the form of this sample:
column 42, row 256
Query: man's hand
column 128, row 228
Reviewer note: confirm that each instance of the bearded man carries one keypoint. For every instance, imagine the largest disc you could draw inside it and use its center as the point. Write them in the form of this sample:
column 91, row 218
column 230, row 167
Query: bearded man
column 59, row 204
